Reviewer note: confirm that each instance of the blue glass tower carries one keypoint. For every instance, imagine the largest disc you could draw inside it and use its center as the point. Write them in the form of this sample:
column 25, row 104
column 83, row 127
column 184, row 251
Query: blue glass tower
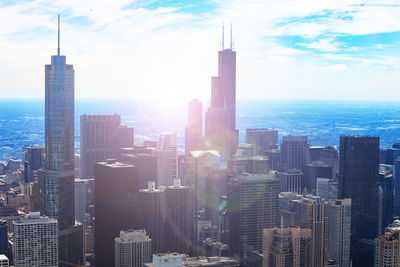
column 57, row 195
column 58, row 183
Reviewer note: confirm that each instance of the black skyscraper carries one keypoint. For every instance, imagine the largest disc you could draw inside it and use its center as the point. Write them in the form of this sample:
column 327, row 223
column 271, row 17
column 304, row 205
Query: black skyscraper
column 359, row 180
column 116, row 195
column 220, row 122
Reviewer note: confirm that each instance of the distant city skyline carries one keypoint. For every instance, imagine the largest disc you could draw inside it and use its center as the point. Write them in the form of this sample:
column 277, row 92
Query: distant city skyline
column 166, row 50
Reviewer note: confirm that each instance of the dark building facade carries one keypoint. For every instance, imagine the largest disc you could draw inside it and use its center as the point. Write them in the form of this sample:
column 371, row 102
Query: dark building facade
column 179, row 216
column 359, row 180
column 152, row 217
column 116, row 196
column 220, row 122
column 4, row 238
column 34, row 161
column 313, row 171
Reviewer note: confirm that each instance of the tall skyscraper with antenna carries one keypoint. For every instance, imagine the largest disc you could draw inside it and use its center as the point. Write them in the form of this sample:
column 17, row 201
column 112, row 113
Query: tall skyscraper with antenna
column 220, row 123
column 57, row 179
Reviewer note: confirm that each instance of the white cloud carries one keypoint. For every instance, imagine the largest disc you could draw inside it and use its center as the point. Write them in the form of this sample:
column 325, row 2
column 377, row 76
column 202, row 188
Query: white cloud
column 156, row 53
column 325, row 45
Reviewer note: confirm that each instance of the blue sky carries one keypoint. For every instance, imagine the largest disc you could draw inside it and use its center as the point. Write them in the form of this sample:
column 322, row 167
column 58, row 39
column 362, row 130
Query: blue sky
column 167, row 50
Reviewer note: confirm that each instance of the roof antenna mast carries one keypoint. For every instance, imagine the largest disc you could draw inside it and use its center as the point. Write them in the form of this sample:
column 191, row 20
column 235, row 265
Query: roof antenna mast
column 231, row 38
column 223, row 36
column 58, row 48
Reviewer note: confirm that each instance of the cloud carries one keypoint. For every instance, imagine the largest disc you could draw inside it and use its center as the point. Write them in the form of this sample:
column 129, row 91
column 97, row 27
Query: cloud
column 140, row 49
column 325, row 45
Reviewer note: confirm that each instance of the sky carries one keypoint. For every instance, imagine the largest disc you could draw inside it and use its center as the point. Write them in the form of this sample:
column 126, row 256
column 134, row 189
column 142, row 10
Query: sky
column 166, row 50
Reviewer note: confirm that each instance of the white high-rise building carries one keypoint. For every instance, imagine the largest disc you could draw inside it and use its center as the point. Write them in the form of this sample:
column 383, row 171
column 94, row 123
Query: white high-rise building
column 339, row 231
column 168, row 260
column 167, row 159
column 35, row 241
column 80, row 208
column 132, row 249
column 4, row 262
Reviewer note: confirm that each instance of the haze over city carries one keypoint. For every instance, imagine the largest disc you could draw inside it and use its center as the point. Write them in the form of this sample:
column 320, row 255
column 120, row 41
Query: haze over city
column 165, row 50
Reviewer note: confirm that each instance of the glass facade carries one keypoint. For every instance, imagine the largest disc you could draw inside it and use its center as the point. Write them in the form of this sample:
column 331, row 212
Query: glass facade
column 57, row 181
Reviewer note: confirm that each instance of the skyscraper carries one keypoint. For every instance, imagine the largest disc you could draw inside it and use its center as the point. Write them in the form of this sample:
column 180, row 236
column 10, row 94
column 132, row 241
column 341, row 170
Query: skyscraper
column 359, row 180
column 339, row 231
column 145, row 159
column 152, row 216
column 116, row 196
column 179, row 215
column 132, row 249
column 34, row 161
column 80, row 208
column 291, row 181
column 295, row 152
column 387, row 247
column 98, row 136
column 311, row 172
column 312, row 213
column 35, row 241
column 56, row 181
column 252, row 206
column 220, row 123
column 262, row 139
column 4, row 238
column 194, row 128
column 286, row 247
column 167, row 159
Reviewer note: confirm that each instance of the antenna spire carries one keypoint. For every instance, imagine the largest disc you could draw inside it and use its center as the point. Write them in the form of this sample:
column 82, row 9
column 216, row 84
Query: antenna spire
column 231, row 38
column 223, row 36
column 58, row 48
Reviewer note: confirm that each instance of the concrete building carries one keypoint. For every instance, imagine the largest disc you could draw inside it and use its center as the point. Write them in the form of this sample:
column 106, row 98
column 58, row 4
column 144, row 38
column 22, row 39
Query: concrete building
column 340, row 231
column 286, row 247
column 167, row 159
column 262, row 139
column 181, row 260
column 132, row 249
column 295, row 152
column 387, row 247
column 252, row 206
column 167, row 260
column 98, row 137
column 312, row 213
column 291, row 181
column 4, row 261
column 35, row 241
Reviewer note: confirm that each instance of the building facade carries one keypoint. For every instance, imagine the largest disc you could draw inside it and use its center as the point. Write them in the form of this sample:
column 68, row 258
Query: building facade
column 35, row 241
column 359, row 180
column 252, row 206
column 132, row 249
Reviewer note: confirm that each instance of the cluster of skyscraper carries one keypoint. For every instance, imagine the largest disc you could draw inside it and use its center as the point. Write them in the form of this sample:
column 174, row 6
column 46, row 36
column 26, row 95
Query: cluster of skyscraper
column 220, row 204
